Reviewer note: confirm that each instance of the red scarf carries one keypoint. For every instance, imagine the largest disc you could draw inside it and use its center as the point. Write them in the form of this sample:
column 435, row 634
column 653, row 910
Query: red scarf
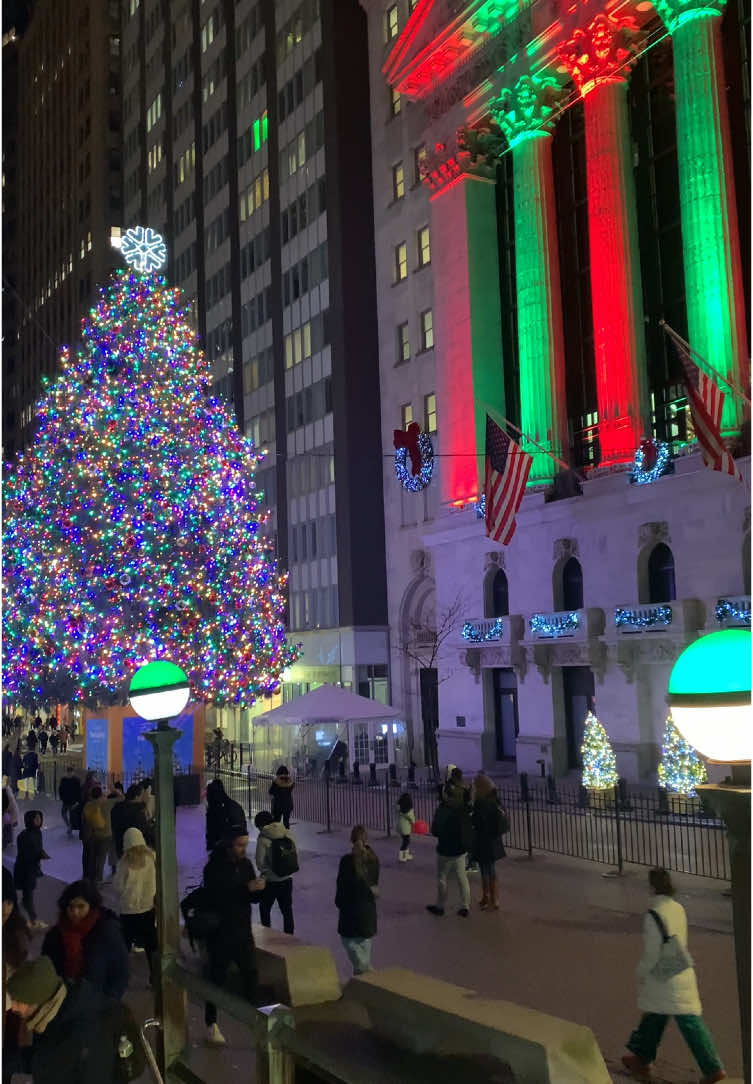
column 73, row 934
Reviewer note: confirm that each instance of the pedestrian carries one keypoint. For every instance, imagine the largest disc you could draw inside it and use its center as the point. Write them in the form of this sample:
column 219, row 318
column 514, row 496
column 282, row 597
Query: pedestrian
column 114, row 797
column 10, row 814
column 7, row 760
column 355, row 898
column 149, row 800
column 31, row 737
column 668, row 992
column 28, row 870
column 276, row 862
column 18, row 767
column 16, row 941
column 27, row 784
column 69, row 792
column 282, row 795
column 90, row 781
column 489, row 823
column 406, row 818
column 224, row 815
column 135, row 884
column 87, row 941
column 454, row 833
column 129, row 814
column 96, row 835
column 231, row 886
column 54, row 742
column 43, row 738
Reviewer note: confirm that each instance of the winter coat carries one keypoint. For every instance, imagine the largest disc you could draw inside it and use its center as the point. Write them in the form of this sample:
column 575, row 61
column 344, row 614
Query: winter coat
column 95, row 820
column 79, row 1045
column 282, row 795
column 27, row 869
column 30, row 765
column 104, row 952
column 7, row 762
column 31, row 740
column 13, row 813
column 677, row 996
column 135, row 887
column 405, row 821
column 487, row 842
column 452, row 827
column 223, row 817
column 69, row 790
column 226, row 885
column 124, row 815
column 355, row 897
column 264, row 850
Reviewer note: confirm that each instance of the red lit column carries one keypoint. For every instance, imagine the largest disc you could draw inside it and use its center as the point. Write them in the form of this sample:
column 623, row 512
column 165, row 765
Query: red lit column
column 598, row 59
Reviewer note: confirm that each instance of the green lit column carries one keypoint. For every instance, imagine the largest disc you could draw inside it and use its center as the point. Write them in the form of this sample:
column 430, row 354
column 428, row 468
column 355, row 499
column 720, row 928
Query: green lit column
column 527, row 114
column 710, row 234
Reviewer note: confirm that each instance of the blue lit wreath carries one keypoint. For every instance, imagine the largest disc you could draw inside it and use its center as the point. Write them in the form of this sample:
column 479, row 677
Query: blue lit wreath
column 651, row 460
column 422, row 457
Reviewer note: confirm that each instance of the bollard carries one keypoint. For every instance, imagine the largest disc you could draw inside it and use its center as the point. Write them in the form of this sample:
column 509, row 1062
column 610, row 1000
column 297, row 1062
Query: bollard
column 412, row 772
column 393, row 775
column 622, row 791
column 373, row 781
column 328, row 809
column 341, row 770
column 617, row 826
column 551, row 790
column 387, row 802
column 356, row 772
column 526, row 799
column 663, row 800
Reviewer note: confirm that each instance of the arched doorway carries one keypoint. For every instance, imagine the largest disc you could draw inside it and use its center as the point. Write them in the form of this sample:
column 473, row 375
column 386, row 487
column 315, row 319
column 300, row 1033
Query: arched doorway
column 572, row 585
column 661, row 574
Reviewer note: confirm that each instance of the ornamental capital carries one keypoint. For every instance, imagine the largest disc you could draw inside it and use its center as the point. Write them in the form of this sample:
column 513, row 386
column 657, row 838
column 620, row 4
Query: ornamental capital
column 471, row 150
column 529, row 109
column 673, row 13
column 604, row 51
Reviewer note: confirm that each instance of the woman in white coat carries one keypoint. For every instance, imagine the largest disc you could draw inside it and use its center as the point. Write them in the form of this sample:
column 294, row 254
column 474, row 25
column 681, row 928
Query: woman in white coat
column 658, row 999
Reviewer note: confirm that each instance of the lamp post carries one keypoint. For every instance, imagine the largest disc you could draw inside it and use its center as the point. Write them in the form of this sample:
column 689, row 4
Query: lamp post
column 709, row 691
column 158, row 692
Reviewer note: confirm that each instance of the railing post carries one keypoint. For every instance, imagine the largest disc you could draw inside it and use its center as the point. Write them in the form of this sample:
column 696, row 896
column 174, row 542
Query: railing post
column 274, row 1064
column 387, row 801
column 328, row 810
column 526, row 799
column 618, row 830
column 248, row 789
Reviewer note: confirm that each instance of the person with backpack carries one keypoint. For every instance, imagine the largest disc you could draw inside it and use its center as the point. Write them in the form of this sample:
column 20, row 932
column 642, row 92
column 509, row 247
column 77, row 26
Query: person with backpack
column 355, row 898
column 87, row 942
column 69, row 793
column 27, row 869
column 454, row 833
column 224, row 815
column 96, row 835
column 489, row 825
column 281, row 792
column 27, row 784
column 667, row 987
column 276, row 862
column 406, row 818
column 135, row 884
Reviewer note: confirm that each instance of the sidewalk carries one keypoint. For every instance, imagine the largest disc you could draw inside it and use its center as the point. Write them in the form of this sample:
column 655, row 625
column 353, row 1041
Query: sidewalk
column 565, row 941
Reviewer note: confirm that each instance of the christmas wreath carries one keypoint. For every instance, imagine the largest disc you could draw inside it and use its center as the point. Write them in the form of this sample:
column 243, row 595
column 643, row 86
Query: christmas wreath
column 652, row 459
column 411, row 444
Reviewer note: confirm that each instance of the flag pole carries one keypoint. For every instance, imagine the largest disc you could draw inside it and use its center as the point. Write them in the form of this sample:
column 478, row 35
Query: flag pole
column 686, row 346
column 506, row 421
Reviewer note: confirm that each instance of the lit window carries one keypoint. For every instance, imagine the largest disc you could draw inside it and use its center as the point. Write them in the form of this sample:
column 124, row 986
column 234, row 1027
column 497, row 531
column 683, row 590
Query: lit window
column 257, row 192
column 297, row 355
column 430, row 412
column 406, row 414
column 307, row 340
column 401, row 261
column 394, row 102
column 301, row 149
column 265, row 181
column 398, row 181
column 423, row 246
column 427, row 330
column 419, row 157
column 243, row 207
column 403, row 343
column 288, row 351
column 391, row 27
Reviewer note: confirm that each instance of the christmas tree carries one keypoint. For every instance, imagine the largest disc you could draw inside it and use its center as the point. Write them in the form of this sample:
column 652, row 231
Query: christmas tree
column 599, row 764
column 132, row 525
column 680, row 768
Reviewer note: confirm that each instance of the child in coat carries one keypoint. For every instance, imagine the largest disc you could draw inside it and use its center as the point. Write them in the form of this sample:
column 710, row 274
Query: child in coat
column 27, row 869
column 406, row 818
column 135, row 883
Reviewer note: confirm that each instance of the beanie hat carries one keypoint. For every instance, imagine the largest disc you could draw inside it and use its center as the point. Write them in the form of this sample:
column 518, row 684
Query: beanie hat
column 35, row 982
column 133, row 837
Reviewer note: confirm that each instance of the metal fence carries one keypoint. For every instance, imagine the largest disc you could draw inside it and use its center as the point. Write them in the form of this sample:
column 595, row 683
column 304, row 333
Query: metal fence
column 612, row 827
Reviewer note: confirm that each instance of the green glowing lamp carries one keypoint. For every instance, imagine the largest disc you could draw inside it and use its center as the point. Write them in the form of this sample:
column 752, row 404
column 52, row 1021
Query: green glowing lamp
column 709, row 692
column 159, row 690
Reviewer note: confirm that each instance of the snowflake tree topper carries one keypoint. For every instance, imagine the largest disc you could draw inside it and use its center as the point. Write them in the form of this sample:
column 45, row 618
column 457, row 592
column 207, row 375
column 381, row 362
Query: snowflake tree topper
column 144, row 249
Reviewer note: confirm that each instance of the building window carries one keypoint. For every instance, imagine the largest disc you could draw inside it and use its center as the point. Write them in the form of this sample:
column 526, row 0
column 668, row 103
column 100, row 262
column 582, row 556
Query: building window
column 661, row 574
column 406, row 414
column 423, row 246
column 398, row 181
column 391, row 27
column 427, row 330
column 419, row 157
column 430, row 412
column 572, row 585
column 394, row 102
column 401, row 261
column 403, row 343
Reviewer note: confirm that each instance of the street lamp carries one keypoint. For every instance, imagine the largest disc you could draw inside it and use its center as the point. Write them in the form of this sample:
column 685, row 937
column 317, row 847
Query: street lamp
column 159, row 691
column 709, row 692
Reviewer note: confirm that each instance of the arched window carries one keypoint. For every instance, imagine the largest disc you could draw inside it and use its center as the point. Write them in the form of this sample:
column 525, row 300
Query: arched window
column 572, row 585
column 500, row 601
column 661, row 574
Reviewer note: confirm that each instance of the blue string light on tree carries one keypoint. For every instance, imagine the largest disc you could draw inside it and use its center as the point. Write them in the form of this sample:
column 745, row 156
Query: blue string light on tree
column 651, row 460
column 412, row 443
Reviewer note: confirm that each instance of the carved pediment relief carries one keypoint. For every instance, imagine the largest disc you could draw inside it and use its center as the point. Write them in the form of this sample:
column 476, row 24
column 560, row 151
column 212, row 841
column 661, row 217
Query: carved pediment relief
column 564, row 548
column 649, row 534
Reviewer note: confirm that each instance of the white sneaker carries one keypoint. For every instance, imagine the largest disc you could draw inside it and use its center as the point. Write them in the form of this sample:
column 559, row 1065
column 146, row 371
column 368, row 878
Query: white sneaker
column 401, row 856
column 408, row 856
column 39, row 924
column 137, row 948
column 215, row 1036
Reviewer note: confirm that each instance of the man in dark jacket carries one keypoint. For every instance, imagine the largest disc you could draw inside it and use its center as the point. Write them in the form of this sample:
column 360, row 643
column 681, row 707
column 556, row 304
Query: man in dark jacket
column 69, row 792
column 224, row 816
column 129, row 814
column 231, row 887
column 454, row 831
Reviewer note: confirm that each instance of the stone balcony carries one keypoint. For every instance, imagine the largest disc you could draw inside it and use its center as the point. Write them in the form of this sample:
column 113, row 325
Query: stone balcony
column 678, row 619
column 728, row 612
column 506, row 630
column 558, row 625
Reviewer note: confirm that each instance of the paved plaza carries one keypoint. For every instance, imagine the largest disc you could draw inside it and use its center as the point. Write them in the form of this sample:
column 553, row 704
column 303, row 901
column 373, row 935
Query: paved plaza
column 565, row 941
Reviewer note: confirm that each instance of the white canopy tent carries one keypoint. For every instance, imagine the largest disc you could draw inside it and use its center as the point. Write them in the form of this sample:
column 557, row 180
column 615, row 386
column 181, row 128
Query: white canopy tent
column 327, row 704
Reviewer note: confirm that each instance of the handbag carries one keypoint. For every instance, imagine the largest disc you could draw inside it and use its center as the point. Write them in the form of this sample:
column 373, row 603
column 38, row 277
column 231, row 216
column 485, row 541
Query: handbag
column 674, row 958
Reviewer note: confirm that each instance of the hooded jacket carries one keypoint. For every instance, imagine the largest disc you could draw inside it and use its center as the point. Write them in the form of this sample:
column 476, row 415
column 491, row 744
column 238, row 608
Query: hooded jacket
column 677, row 996
column 69, row 790
column 270, row 832
column 223, row 815
column 27, row 869
column 226, row 885
column 135, row 885
column 282, row 795
column 125, row 815
column 355, row 896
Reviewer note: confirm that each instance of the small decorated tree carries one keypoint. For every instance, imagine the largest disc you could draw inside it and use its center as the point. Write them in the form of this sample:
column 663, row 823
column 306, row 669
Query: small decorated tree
column 599, row 764
column 680, row 768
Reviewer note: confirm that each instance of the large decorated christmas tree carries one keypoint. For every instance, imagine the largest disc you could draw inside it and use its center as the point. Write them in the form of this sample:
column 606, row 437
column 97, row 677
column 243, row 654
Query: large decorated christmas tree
column 599, row 763
column 681, row 770
column 132, row 526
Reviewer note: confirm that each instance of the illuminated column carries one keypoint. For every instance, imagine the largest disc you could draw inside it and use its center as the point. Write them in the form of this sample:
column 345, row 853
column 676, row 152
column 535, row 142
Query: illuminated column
column 466, row 314
column 710, row 236
column 526, row 114
column 598, row 59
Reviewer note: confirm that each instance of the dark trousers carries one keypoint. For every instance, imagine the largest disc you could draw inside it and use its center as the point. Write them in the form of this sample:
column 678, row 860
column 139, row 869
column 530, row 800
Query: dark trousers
column 93, row 858
column 27, row 897
column 141, row 930
column 284, row 816
column 282, row 893
column 221, row 955
column 645, row 1040
column 404, row 843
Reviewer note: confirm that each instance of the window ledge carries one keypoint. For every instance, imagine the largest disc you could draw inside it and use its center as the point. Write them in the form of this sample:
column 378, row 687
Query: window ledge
column 400, row 362
column 421, row 267
column 426, row 350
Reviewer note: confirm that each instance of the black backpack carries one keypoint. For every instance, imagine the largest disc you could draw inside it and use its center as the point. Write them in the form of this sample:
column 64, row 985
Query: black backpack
column 200, row 920
column 283, row 857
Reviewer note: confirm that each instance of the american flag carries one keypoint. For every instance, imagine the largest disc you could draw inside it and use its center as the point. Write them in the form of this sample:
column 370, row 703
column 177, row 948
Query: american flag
column 507, row 468
column 705, row 401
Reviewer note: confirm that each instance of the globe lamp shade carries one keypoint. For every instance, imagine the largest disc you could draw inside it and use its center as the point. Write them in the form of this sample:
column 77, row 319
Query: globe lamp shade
column 159, row 690
column 709, row 693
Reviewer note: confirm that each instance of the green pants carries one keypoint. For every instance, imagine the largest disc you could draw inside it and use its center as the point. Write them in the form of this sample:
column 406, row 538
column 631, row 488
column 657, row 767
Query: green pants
column 645, row 1040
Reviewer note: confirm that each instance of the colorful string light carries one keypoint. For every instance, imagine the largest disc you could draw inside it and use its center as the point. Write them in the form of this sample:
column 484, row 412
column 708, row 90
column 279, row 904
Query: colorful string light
column 681, row 770
column 132, row 525
column 599, row 762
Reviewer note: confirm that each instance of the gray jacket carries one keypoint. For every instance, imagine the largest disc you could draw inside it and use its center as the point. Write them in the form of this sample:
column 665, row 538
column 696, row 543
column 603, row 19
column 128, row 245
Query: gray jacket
column 276, row 830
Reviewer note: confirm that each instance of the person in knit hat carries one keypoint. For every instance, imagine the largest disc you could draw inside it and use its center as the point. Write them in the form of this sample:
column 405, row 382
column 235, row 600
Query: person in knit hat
column 135, row 884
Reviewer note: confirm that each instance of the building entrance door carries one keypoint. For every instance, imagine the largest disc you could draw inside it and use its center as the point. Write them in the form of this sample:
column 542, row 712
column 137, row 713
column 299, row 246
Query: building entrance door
column 578, row 685
column 505, row 713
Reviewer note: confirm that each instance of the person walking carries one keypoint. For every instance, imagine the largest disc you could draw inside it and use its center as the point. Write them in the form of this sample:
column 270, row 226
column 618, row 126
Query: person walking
column 676, row 995
column 31, row 737
column 69, row 793
column 282, row 795
column 90, row 781
column 43, row 739
column 150, row 801
column 96, row 835
column 224, row 815
column 406, row 818
column 276, row 862
column 488, row 826
column 454, row 833
column 54, row 742
column 355, row 898
column 27, row 869
column 10, row 814
column 7, row 760
column 129, row 814
column 27, row 784
column 231, row 886
column 135, row 884
column 87, row 941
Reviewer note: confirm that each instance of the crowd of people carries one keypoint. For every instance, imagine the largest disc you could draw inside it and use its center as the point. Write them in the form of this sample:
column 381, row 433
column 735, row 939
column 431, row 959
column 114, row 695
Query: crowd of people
column 72, row 994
